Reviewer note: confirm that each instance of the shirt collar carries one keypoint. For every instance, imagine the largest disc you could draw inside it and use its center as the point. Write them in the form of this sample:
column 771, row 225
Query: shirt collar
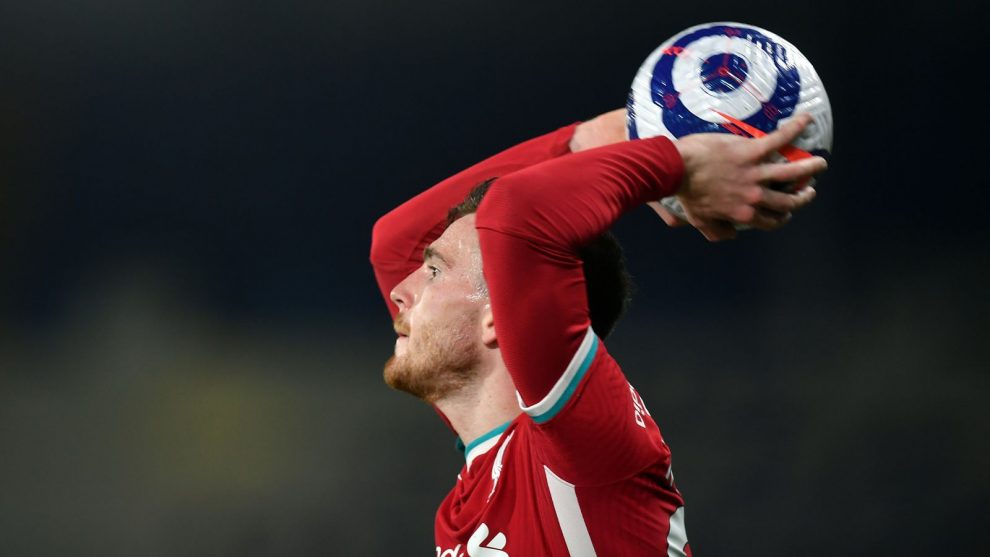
column 482, row 444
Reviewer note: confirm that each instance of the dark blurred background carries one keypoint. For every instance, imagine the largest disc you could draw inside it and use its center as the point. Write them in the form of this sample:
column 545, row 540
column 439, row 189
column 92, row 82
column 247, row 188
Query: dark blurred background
column 191, row 339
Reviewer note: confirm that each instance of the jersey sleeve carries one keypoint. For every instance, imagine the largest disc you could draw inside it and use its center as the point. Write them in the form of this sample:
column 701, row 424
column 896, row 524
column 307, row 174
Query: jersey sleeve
column 531, row 226
column 399, row 237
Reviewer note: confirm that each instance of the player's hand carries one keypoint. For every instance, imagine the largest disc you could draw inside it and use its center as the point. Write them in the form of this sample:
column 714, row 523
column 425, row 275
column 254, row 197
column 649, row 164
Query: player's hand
column 727, row 180
column 604, row 129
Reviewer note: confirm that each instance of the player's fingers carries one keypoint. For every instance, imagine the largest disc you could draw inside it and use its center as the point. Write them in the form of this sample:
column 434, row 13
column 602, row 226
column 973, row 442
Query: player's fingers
column 776, row 208
column 778, row 201
column 804, row 196
column 783, row 172
column 671, row 219
column 765, row 219
column 783, row 135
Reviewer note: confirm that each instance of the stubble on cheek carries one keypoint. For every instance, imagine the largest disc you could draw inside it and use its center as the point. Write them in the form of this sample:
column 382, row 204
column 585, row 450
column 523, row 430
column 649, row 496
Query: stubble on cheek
column 438, row 362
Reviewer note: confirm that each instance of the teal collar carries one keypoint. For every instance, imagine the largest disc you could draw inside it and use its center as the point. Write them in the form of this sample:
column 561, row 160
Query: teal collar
column 466, row 449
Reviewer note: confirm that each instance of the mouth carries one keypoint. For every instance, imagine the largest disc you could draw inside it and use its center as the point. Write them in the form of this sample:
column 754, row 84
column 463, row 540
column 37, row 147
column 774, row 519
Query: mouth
column 400, row 344
column 401, row 328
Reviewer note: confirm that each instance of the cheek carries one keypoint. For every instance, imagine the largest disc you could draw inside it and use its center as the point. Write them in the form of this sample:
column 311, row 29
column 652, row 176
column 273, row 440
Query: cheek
column 443, row 325
column 431, row 309
column 447, row 308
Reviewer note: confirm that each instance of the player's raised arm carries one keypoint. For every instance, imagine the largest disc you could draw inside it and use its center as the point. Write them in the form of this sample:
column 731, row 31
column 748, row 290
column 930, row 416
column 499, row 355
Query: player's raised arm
column 531, row 227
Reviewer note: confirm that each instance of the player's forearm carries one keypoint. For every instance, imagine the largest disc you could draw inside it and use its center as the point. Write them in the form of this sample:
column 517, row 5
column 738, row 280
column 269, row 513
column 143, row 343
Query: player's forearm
column 566, row 204
column 604, row 129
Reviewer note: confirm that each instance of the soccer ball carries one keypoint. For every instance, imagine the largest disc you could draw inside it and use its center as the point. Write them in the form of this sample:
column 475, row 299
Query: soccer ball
column 732, row 78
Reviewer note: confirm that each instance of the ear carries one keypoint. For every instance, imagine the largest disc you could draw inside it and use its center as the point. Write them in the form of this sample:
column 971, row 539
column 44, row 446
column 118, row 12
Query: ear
column 488, row 336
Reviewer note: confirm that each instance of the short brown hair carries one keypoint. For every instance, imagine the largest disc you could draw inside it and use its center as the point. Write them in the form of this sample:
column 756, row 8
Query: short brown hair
column 607, row 281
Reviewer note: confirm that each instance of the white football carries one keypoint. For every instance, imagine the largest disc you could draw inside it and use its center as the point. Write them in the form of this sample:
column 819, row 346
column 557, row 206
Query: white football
column 731, row 78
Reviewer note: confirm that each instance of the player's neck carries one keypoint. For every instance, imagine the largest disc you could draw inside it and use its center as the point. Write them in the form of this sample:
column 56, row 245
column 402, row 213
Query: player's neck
column 482, row 406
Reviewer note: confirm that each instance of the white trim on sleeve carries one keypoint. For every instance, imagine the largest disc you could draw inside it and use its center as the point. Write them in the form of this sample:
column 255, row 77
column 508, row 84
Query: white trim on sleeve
column 566, row 384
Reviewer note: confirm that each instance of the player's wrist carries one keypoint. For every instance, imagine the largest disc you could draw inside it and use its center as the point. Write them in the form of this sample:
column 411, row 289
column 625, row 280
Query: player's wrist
column 691, row 153
column 605, row 129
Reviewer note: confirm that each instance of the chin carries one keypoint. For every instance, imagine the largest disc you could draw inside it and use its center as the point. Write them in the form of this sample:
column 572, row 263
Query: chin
column 430, row 380
column 393, row 369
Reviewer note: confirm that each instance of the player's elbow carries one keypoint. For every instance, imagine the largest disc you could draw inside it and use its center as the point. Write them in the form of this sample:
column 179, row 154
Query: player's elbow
column 382, row 234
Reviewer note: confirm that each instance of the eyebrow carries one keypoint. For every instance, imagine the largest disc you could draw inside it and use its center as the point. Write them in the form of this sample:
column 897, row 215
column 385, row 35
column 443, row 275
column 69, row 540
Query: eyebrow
column 429, row 253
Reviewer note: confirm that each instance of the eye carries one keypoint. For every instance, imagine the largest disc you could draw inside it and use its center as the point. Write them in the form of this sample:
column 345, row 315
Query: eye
column 433, row 271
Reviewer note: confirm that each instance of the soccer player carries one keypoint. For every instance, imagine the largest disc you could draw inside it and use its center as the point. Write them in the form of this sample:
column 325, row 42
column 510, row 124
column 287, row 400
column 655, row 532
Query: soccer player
column 500, row 307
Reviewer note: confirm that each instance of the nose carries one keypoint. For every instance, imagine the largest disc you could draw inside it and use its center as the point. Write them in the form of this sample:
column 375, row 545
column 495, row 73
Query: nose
column 402, row 295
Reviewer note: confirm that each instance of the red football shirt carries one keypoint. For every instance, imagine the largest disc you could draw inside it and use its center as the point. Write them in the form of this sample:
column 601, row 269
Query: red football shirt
column 584, row 469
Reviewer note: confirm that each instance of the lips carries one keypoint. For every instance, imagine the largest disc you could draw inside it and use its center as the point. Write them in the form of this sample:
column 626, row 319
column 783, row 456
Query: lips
column 400, row 326
column 400, row 345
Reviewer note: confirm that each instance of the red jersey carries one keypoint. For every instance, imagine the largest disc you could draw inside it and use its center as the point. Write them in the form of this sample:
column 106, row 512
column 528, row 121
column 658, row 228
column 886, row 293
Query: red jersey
column 584, row 469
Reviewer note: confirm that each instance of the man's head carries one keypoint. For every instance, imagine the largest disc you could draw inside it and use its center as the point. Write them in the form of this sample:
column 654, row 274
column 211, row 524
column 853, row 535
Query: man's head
column 444, row 321
column 445, row 325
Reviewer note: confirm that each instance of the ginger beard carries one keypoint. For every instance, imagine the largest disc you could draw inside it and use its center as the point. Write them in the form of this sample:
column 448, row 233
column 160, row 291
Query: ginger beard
column 440, row 358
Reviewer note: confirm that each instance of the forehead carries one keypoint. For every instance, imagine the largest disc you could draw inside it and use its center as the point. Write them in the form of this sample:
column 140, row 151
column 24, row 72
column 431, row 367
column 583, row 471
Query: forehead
column 459, row 240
